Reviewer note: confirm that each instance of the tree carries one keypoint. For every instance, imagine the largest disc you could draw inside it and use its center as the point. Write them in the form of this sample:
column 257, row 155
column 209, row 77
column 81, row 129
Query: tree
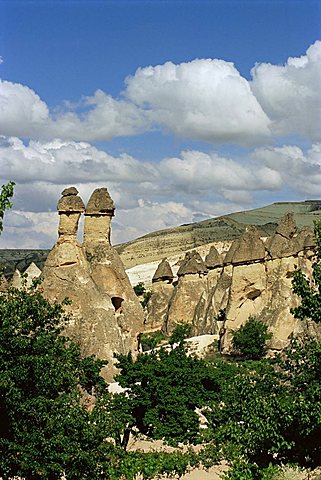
column 163, row 389
column 310, row 293
column 44, row 429
column 5, row 195
column 251, row 338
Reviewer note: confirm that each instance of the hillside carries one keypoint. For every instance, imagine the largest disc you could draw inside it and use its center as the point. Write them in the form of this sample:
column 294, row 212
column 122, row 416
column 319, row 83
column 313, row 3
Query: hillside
column 172, row 241
column 163, row 243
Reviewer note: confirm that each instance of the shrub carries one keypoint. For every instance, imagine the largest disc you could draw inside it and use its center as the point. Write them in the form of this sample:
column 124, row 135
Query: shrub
column 251, row 338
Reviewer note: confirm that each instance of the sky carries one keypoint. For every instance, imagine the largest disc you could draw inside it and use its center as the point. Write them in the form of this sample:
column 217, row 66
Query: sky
column 184, row 110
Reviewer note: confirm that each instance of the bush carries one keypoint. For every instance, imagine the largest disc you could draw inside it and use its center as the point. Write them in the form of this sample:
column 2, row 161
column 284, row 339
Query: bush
column 149, row 341
column 251, row 338
column 180, row 332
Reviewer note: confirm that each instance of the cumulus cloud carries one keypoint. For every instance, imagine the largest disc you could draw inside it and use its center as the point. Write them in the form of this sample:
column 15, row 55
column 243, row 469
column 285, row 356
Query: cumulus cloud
column 100, row 117
column 22, row 112
column 290, row 94
column 202, row 99
column 195, row 172
column 299, row 170
column 190, row 187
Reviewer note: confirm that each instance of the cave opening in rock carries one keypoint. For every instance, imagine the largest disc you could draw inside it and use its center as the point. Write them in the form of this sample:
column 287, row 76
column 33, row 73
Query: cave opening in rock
column 117, row 304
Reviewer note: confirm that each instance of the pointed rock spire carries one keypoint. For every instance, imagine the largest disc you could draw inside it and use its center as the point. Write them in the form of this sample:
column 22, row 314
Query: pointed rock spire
column 213, row 259
column 163, row 272
column 192, row 264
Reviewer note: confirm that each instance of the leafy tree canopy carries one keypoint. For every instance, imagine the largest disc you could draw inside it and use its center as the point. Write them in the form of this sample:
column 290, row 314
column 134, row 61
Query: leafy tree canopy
column 250, row 339
column 5, row 195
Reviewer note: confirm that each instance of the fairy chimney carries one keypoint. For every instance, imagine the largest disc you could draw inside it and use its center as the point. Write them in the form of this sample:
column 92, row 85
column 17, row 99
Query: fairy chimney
column 163, row 273
column 213, row 259
column 250, row 247
column 99, row 211
column 192, row 264
column 70, row 207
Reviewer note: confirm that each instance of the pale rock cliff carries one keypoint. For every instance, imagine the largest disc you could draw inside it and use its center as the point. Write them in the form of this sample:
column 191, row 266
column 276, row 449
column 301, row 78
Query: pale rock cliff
column 105, row 314
column 254, row 279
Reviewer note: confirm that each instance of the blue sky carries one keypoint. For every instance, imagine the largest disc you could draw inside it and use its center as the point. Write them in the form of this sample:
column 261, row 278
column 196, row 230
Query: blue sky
column 183, row 109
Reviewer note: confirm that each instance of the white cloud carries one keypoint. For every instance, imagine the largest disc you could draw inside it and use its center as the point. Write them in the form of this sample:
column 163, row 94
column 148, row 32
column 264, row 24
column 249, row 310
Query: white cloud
column 202, row 99
column 22, row 112
column 1, row 60
column 195, row 172
column 205, row 100
column 290, row 94
column 299, row 170
column 148, row 196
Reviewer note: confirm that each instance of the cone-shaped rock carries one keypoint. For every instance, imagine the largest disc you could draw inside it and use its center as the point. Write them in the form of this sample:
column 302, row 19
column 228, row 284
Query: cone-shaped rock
column 287, row 226
column 250, row 247
column 32, row 272
column 100, row 203
column 278, row 245
column 213, row 259
column 229, row 255
column 192, row 264
column 163, row 272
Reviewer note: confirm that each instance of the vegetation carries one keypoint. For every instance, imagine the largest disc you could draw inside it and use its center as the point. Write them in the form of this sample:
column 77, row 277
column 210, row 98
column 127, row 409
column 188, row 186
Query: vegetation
column 149, row 341
column 310, row 294
column 141, row 291
column 261, row 413
column 5, row 195
column 250, row 339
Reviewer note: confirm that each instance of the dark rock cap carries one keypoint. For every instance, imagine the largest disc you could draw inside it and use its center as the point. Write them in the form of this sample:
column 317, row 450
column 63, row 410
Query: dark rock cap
column 229, row 255
column 163, row 271
column 69, row 191
column 100, row 203
column 213, row 259
column 192, row 263
column 287, row 226
column 250, row 247
column 70, row 201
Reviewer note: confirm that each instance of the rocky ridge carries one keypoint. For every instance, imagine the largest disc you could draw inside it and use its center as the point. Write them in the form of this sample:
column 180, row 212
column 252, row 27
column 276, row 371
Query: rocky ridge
column 253, row 278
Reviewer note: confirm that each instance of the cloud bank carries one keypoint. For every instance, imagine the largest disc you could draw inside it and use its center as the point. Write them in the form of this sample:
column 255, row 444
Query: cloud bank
column 205, row 100
column 149, row 196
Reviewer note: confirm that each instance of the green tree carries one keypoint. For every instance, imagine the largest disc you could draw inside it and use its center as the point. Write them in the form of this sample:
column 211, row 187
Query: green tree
column 164, row 388
column 250, row 339
column 180, row 333
column 44, row 429
column 309, row 293
column 5, row 195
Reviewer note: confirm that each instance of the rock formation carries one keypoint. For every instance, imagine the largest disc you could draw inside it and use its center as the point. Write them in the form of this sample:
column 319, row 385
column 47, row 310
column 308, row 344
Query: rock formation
column 254, row 279
column 105, row 314
column 161, row 293
column 3, row 284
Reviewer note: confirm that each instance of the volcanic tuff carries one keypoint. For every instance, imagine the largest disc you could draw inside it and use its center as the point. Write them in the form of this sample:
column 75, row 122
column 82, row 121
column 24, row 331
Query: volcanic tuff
column 254, row 279
column 173, row 241
column 105, row 314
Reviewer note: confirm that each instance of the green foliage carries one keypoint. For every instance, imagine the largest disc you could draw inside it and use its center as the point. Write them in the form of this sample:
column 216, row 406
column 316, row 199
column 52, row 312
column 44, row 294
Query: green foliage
column 180, row 333
column 44, row 430
column 164, row 388
column 141, row 291
column 251, row 338
column 149, row 341
column 5, row 195
column 310, row 294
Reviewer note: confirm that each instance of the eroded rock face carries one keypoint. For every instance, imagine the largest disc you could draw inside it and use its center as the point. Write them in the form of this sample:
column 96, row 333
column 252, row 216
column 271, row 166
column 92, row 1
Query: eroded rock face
column 255, row 280
column 105, row 314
